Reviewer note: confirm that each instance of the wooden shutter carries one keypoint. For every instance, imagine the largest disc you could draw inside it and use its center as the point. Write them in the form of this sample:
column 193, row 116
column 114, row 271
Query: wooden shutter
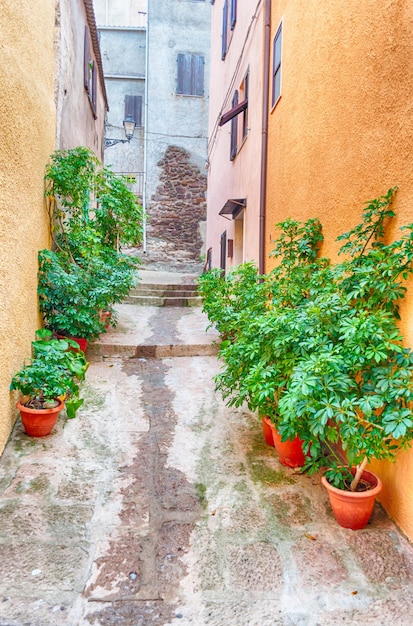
column 197, row 71
column 94, row 88
column 224, row 29
column 86, row 59
column 184, row 74
column 233, row 13
column 133, row 108
column 234, row 129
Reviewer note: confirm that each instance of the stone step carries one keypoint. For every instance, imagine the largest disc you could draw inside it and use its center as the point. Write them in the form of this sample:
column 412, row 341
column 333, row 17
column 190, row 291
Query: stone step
column 163, row 293
column 162, row 287
column 147, row 332
column 159, row 301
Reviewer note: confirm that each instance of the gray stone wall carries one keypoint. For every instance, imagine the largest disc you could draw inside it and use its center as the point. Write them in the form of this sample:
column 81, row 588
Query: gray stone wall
column 177, row 214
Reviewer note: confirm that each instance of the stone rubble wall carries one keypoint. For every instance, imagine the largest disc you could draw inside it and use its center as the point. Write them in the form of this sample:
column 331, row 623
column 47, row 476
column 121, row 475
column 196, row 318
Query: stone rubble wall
column 177, row 214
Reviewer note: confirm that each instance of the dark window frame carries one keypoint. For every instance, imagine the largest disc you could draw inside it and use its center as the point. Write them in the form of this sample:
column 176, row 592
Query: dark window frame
column 276, row 66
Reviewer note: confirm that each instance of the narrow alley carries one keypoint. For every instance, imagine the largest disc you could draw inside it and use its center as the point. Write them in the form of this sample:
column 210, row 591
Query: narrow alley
column 159, row 506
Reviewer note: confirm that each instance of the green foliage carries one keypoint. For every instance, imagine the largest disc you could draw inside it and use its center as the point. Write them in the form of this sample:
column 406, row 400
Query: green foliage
column 92, row 214
column 54, row 371
column 323, row 355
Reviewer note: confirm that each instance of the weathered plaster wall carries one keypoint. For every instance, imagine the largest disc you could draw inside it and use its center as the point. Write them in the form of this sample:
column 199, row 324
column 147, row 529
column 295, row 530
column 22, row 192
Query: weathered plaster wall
column 123, row 55
column 175, row 26
column 341, row 135
column 239, row 178
column 27, row 137
column 76, row 124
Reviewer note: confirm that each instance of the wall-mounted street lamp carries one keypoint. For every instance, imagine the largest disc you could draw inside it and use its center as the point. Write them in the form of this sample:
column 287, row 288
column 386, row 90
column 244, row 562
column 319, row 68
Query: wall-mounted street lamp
column 129, row 125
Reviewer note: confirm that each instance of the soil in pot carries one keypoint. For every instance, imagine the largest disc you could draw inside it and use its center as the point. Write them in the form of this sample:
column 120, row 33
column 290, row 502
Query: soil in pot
column 353, row 509
column 39, row 422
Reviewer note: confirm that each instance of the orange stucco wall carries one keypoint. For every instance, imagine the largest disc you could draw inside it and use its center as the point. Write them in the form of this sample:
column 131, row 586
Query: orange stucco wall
column 27, row 128
column 341, row 135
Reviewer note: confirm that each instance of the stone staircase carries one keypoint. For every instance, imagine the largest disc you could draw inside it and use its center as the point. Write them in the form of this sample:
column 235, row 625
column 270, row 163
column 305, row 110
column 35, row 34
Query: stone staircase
column 156, row 294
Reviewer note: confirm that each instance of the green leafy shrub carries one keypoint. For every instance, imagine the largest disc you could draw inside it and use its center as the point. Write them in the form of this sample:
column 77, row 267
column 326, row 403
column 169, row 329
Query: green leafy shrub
column 54, row 372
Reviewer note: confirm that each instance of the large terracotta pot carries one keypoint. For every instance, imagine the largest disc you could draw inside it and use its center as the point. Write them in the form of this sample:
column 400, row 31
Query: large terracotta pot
column 267, row 430
column 290, row 452
column 39, row 422
column 353, row 509
column 82, row 343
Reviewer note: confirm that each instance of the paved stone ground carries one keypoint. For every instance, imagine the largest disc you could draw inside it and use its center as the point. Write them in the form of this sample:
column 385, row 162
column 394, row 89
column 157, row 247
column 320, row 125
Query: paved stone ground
column 159, row 506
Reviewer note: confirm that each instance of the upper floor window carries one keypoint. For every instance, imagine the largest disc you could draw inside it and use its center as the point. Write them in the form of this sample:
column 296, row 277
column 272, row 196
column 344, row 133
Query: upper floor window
column 233, row 18
column 133, row 109
column 225, row 14
column 244, row 97
column 190, row 75
column 276, row 67
column 89, row 73
column 234, row 128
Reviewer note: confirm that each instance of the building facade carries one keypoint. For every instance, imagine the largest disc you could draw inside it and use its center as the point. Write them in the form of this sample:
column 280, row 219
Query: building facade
column 333, row 131
column 46, row 102
column 235, row 144
column 339, row 135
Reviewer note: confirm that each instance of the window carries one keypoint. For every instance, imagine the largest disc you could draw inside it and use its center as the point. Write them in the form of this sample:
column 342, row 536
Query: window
column 133, row 108
column 224, row 30
column 233, row 19
column 234, row 129
column 244, row 96
column 276, row 71
column 190, row 75
column 89, row 73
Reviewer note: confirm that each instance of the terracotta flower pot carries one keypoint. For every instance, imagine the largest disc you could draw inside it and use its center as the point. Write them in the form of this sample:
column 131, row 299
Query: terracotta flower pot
column 290, row 452
column 39, row 422
column 267, row 430
column 105, row 317
column 83, row 343
column 353, row 509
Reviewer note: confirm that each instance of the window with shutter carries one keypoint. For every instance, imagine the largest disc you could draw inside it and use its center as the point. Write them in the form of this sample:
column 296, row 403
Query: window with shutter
column 224, row 30
column 89, row 73
column 86, row 59
column 234, row 129
column 133, row 109
column 233, row 13
column 276, row 64
column 190, row 75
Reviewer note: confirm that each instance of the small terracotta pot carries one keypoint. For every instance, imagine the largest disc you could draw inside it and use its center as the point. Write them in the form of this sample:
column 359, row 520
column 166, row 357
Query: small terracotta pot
column 353, row 509
column 83, row 343
column 290, row 452
column 105, row 317
column 39, row 422
column 267, row 430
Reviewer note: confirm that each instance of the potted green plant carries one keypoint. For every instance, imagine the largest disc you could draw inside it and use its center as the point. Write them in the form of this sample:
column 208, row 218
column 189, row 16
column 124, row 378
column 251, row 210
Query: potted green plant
column 92, row 215
column 49, row 382
column 256, row 314
column 350, row 393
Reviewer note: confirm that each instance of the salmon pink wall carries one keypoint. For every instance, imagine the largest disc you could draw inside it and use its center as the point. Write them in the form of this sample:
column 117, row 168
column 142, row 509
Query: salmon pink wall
column 239, row 178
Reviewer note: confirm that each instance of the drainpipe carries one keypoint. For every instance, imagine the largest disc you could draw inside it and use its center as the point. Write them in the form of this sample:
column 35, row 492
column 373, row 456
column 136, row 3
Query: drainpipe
column 264, row 133
column 145, row 138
